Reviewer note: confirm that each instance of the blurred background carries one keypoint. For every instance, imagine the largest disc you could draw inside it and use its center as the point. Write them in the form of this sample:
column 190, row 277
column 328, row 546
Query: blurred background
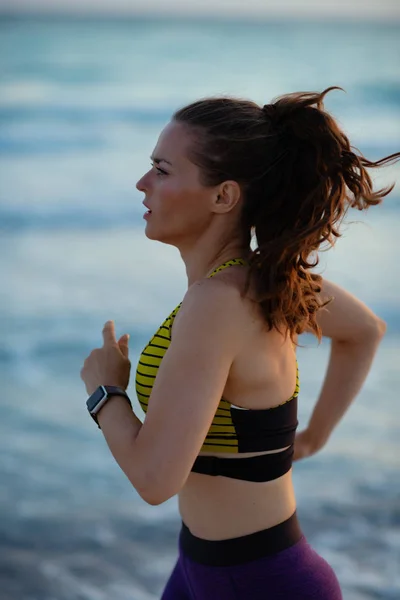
column 85, row 89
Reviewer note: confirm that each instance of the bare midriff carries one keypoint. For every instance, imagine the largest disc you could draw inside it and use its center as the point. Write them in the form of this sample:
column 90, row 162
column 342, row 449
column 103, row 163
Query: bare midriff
column 216, row 508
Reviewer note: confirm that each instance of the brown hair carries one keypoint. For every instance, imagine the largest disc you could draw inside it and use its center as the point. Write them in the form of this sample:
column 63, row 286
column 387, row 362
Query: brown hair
column 298, row 175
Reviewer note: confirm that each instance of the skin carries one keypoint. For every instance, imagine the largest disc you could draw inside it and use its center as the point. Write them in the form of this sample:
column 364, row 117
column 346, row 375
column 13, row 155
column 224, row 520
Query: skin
column 234, row 356
column 200, row 221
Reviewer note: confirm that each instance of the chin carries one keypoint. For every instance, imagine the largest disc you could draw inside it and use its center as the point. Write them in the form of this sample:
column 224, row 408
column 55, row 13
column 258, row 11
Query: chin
column 149, row 236
column 157, row 238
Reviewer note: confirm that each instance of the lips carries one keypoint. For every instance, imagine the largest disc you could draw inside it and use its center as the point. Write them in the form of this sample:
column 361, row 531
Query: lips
column 149, row 211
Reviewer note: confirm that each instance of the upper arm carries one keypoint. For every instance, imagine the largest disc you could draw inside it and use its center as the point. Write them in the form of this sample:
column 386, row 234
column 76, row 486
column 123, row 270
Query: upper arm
column 188, row 388
column 346, row 318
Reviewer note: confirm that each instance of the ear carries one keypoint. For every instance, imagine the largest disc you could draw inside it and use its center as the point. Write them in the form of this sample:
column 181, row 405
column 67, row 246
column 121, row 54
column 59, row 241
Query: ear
column 227, row 196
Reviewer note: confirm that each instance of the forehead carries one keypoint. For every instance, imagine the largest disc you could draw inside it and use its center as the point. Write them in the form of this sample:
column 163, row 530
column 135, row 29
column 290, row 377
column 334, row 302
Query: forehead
column 173, row 143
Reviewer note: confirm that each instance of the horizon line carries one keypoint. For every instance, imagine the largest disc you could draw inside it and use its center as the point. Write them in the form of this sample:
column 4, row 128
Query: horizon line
column 176, row 14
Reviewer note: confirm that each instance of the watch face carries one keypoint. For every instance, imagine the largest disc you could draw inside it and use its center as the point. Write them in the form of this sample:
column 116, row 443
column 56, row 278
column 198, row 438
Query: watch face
column 95, row 398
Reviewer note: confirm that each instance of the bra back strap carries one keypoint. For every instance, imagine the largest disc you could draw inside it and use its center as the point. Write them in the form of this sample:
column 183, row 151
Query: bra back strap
column 256, row 468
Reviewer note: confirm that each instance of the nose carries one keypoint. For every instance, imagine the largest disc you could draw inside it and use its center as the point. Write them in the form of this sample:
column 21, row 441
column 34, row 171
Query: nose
column 142, row 184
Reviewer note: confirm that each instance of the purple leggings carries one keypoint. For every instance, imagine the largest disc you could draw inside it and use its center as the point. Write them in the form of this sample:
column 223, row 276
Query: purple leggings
column 210, row 570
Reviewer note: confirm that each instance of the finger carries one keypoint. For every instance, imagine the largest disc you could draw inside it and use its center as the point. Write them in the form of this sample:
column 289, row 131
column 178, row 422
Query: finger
column 123, row 344
column 109, row 333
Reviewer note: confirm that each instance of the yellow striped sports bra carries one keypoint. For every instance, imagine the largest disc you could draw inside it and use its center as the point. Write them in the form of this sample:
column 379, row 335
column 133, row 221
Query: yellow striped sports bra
column 234, row 429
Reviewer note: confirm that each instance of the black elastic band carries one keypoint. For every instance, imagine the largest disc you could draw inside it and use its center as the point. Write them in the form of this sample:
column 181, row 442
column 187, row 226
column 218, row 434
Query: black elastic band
column 256, row 468
column 234, row 551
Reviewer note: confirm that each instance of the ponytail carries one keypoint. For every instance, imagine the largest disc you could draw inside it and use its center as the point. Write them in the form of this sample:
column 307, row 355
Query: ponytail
column 299, row 175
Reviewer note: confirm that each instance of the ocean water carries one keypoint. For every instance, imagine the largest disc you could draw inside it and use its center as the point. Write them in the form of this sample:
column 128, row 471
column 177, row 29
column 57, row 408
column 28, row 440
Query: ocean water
column 81, row 105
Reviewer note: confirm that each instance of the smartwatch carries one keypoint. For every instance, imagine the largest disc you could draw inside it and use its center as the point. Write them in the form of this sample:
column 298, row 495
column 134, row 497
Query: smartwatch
column 97, row 400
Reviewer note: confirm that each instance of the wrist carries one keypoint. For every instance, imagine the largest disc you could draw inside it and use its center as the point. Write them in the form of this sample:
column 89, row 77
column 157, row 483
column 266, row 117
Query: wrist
column 98, row 401
column 114, row 404
column 316, row 439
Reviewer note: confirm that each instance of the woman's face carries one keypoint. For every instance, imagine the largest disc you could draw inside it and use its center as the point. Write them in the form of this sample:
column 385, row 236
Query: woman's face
column 180, row 205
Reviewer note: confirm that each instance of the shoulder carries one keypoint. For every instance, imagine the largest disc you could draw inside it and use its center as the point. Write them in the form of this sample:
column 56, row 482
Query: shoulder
column 216, row 294
column 211, row 307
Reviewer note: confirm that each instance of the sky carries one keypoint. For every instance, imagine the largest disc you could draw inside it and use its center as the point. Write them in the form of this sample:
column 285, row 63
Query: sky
column 354, row 9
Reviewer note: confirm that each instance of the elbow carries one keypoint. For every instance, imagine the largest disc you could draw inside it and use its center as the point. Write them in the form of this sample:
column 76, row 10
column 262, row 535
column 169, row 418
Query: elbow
column 382, row 327
column 377, row 329
column 370, row 332
column 152, row 500
column 148, row 493
column 150, row 483
column 154, row 492
column 154, row 497
column 374, row 331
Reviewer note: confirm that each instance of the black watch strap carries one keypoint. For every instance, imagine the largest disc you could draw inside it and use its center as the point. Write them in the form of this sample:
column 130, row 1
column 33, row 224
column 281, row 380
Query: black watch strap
column 100, row 396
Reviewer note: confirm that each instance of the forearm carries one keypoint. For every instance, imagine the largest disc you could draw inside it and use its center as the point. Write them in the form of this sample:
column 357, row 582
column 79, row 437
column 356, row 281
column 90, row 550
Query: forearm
column 348, row 367
column 120, row 427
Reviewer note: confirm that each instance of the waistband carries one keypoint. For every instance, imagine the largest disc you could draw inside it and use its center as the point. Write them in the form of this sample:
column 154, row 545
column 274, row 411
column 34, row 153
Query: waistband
column 242, row 549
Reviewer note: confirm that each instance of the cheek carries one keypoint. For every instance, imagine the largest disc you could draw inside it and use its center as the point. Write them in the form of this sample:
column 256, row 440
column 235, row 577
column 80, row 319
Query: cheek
column 171, row 195
column 169, row 188
column 179, row 203
column 192, row 214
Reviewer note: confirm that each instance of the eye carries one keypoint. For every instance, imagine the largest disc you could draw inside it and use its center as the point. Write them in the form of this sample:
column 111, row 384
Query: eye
column 159, row 171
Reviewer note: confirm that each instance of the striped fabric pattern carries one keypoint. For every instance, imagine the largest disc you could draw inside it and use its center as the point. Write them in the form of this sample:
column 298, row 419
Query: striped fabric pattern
column 221, row 436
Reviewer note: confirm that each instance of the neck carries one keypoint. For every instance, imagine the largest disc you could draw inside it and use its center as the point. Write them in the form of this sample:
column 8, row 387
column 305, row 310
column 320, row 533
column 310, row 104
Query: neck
column 201, row 259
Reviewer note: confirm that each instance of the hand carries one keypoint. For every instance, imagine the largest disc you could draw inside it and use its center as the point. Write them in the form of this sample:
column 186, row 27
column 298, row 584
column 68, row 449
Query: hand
column 305, row 445
column 109, row 365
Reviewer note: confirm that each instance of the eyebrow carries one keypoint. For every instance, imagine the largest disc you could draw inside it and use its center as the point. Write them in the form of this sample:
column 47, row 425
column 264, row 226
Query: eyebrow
column 158, row 160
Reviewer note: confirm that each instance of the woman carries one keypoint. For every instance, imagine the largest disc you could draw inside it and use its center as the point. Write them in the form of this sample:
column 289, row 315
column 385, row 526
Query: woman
column 219, row 379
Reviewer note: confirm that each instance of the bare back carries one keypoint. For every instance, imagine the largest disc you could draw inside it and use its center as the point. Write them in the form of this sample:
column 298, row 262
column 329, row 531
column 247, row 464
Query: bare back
column 263, row 375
